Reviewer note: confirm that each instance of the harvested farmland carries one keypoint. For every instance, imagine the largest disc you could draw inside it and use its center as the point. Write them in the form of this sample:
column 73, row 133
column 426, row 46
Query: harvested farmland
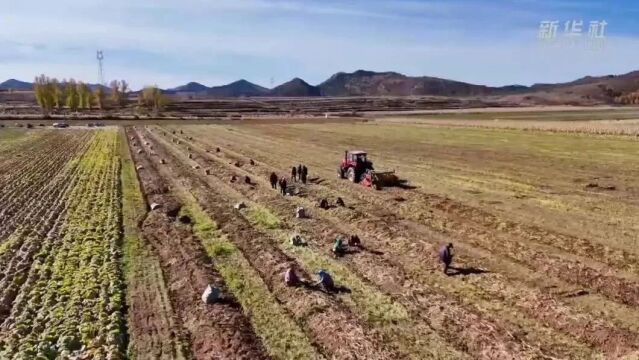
column 109, row 238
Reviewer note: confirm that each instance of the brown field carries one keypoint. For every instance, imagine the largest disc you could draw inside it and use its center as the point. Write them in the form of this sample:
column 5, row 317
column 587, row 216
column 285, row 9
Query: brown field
column 544, row 225
column 22, row 106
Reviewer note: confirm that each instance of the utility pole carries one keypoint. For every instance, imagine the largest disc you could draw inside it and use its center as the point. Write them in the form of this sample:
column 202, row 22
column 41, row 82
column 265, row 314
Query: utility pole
column 100, row 57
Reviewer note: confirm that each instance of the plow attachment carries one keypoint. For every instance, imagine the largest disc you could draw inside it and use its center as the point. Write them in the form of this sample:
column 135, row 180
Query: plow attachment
column 379, row 179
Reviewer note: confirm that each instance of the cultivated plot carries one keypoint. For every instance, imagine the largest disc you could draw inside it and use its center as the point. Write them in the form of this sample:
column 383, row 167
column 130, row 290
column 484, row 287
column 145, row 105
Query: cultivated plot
column 109, row 237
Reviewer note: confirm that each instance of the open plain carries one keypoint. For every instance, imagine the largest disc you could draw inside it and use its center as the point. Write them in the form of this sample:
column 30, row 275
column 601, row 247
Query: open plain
column 109, row 236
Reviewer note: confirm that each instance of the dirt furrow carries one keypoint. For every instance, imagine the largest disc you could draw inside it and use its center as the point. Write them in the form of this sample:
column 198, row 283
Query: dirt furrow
column 218, row 331
column 153, row 327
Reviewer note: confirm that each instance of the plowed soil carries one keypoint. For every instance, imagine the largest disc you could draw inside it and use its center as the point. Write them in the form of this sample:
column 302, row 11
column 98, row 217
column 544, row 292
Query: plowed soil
column 105, row 253
column 524, row 287
column 219, row 331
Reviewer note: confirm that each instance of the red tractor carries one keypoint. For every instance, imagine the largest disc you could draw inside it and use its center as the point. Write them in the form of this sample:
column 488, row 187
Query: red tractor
column 356, row 168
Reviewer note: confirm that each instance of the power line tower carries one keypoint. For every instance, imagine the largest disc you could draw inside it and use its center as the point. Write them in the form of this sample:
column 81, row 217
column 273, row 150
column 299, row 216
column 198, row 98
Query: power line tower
column 100, row 57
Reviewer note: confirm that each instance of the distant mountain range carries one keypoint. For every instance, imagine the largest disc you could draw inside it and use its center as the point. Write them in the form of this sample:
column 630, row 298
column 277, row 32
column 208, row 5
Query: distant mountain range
column 16, row 85
column 234, row 89
column 13, row 84
column 369, row 83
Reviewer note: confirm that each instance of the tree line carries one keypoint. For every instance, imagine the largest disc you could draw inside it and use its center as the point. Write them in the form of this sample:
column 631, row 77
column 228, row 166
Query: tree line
column 52, row 94
column 628, row 99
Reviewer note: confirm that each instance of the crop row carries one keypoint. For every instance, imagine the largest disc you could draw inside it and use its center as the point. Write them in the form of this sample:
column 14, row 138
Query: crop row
column 13, row 143
column 37, row 219
column 150, row 317
column 73, row 301
column 22, row 197
column 219, row 331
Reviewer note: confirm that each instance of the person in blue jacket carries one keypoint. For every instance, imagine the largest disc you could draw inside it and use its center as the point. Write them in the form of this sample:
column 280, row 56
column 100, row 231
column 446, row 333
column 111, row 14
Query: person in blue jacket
column 325, row 281
column 446, row 256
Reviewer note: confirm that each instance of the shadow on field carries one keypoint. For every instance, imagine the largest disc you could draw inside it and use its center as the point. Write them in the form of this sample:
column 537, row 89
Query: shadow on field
column 338, row 289
column 403, row 184
column 371, row 251
column 229, row 301
column 466, row 271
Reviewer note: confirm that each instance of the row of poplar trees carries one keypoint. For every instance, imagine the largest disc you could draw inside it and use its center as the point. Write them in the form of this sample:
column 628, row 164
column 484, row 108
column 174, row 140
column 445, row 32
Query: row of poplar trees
column 53, row 94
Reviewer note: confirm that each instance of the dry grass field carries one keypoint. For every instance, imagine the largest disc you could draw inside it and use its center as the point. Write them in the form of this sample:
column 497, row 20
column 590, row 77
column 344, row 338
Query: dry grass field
column 544, row 225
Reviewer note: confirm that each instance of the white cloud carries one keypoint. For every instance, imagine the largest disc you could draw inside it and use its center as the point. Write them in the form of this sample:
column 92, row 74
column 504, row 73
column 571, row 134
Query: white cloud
column 171, row 42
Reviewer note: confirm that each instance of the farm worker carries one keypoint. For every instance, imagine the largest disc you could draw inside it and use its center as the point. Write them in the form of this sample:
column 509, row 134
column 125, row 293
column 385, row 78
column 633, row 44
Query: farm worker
column 294, row 174
column 338, row 247
column 273, row 180
column 340, row 202
column 325, row 280
column 446, row 256
column 323, row 204
column 299, row 170
column 297, row 240
column 290, row 277
column 354, row 241
column 304, row 173
column 283, row 185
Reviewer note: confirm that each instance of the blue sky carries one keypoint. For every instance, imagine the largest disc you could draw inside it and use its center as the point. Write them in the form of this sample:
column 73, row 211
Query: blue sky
column 171, row 42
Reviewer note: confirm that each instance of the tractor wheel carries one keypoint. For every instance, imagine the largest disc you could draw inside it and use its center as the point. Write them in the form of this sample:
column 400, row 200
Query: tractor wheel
column 340, row 172
column 350, row 174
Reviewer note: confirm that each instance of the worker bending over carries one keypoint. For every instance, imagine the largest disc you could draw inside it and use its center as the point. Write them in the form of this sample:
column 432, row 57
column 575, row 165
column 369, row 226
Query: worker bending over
column 339, row 249
column 325, row 281
column 291, row 278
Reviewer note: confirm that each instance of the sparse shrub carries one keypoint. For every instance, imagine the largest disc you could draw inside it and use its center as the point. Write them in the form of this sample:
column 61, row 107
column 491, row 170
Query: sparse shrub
column 153, row 99
column 119, row 92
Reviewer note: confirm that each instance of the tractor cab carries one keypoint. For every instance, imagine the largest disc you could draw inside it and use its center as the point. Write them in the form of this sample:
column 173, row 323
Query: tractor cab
column 355, row 157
